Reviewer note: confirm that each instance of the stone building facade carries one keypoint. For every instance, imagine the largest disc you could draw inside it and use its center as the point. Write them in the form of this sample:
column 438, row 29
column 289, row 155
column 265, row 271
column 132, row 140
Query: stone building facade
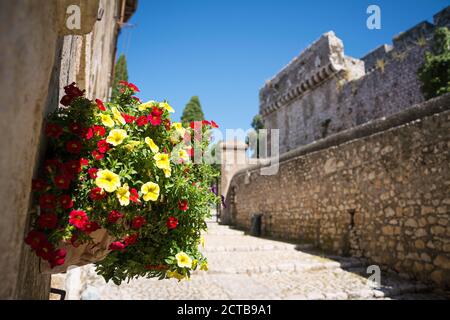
column 323, row 91
column 379, row 191
column 41, row 55
column 364, row 166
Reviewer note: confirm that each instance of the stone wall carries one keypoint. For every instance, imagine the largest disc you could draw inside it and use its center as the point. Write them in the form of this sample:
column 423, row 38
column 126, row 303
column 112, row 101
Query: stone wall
column 39, row 57
column 322, row 91
column 378, row 191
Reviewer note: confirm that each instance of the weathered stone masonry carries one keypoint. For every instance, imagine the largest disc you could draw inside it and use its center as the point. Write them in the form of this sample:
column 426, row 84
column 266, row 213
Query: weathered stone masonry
column 384, row 196
column 323, row 91
column 39, row 57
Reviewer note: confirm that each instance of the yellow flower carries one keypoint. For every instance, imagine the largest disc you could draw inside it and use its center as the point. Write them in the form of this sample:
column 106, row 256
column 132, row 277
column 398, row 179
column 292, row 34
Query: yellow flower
column 147, row 105
column 131, row 145
column 123, row 194
column 194, row 264
column 204, row 266
column 166, row 106
column 183, row 260
column 107, row 121
column 180, row 156
column 151, row 144
column 179, row 128
column 176, row 275
column 107, row 180
column 162, row 160
column 117, row 116
column 202, row 241
column 150, row 191
column 167, row 172
column 174, row 138
column 183, row 155
column 116, row 136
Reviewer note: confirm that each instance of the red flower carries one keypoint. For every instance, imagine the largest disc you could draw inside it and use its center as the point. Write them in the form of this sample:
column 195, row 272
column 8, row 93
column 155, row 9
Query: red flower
column 66, row 100
column 97, row 194
column 128, row 118
column 99, row 130
column 38, row 185
column 45, row 251
column 73, row 91
column 100, row 104
column 47, row 201
column 138, row 222
column 157, row 112
column 196, row 124
column 167, row 124
column 76, row 128
column 172, row 222
column 137, row 99
column 133, row 87
column 84, row 162
column 97, row 155
column 61, row 253
column 78, row 219
column 73, row 241
column 92, row 172
column 129, row 85
column 130, row 240
column 62, row 182
column 113, row 216
column 73, row 146
column 116, row 246
column 134, row 196
column 206, row 123
column 213, row 124
column 91, row 227
column 53, row 130
column 89, row 134
column 73, row 166
column 102, row 146
column 141, row 121
column 154, row 120
column 47, row 221
column 35, row 239
column 183, row 205
column 95, row 130
column 52, row 164
column 58, row 257
column 65, row 201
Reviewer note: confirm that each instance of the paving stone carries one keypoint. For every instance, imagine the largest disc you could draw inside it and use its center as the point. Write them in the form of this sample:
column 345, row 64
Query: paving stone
column 245, row 267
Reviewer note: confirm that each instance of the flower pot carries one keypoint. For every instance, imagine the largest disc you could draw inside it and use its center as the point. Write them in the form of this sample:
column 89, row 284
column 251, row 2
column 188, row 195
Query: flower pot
column 86, row 253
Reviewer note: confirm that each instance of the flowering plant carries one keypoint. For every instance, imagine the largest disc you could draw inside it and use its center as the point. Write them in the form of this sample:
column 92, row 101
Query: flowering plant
column 123, row 167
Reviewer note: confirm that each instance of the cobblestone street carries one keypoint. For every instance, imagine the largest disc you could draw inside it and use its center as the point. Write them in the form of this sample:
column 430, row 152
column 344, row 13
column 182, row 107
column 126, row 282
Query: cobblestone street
column 245, row 267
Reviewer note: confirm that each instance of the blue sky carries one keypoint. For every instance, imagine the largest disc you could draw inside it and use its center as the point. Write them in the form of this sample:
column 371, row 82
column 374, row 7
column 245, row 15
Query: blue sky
column 224, row 50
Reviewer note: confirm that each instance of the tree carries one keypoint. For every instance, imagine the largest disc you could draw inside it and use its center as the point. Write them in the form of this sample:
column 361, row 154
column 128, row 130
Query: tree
column 192, row 111
column 435, row 71
column 120, row 73
column 257, row 124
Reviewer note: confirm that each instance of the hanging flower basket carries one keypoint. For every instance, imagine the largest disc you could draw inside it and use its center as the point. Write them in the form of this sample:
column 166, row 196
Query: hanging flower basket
column 119, row 189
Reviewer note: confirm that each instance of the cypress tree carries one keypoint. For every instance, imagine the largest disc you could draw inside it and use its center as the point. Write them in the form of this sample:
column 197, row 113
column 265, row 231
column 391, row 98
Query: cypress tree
column 120, row 73
column 192, row 111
